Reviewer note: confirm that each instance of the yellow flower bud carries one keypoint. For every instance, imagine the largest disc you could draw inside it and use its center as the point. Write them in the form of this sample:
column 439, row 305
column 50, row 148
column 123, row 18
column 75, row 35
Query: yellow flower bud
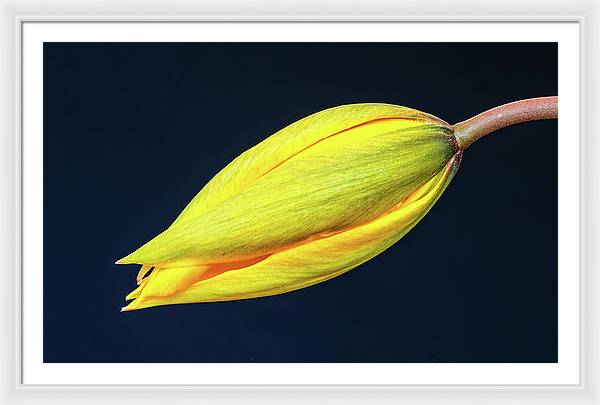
column 310, row 202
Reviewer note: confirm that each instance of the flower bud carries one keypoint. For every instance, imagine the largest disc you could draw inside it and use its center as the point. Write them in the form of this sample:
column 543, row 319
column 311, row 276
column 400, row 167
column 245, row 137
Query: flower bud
column 310, row 202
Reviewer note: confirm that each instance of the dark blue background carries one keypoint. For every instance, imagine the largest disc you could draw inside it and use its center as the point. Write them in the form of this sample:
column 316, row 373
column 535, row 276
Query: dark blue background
column 133, row 131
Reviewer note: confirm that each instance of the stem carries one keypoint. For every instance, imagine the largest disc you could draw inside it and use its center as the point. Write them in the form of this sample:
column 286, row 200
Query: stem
column 531, row 109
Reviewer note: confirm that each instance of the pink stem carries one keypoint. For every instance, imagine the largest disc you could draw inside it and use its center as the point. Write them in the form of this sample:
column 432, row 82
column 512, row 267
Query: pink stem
column 531, row 109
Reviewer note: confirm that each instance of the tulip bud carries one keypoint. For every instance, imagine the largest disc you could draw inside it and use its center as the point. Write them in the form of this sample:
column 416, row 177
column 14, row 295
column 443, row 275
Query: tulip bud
column 309, row 203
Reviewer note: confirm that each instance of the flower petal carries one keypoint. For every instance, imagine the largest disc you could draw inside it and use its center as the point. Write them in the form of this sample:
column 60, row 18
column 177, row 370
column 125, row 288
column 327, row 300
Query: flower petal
column 291, row 140
column 340, row 182
column 311, row 262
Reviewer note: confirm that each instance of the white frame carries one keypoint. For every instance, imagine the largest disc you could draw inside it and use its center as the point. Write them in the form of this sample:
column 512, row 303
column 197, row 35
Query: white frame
column 15, row 13
column 565, row 372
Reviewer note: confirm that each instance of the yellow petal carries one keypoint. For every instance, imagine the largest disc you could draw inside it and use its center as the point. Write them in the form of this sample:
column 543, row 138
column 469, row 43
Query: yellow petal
column 311, row 262
column 339, row 182
column 291, row 140
column 143, row 271
column 168, row 281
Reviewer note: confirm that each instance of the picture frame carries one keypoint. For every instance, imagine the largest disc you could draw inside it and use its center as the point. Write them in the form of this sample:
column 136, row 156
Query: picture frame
column 14, row 391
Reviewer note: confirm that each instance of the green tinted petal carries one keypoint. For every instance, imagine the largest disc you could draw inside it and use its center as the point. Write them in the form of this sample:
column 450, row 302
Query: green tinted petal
column 341, row 181
column 310, row 263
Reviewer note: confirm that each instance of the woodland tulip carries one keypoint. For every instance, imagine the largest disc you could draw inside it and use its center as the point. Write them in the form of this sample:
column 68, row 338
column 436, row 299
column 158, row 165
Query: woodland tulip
column 307, row 204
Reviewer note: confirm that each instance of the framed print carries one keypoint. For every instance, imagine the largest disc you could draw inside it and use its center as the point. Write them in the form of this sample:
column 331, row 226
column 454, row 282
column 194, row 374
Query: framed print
column 318, row 205
column 152, row 113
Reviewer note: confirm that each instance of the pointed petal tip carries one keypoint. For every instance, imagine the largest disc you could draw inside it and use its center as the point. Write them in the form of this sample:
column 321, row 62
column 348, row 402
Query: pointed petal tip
column 131, row 306
column 124, row 260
